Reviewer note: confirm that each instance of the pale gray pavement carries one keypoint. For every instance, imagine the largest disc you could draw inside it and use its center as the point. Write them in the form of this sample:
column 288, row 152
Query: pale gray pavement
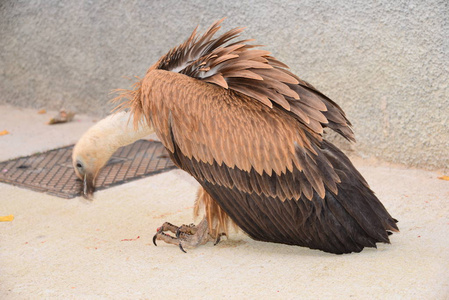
column 74, row 249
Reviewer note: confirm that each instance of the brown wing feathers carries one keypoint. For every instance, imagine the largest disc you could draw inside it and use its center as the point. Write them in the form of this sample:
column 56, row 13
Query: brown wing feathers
column 341, row 222
column 250, row 132
column 237, row 66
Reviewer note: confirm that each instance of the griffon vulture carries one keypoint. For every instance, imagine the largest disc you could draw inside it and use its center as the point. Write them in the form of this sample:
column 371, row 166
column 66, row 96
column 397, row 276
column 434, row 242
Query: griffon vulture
column 251, row 133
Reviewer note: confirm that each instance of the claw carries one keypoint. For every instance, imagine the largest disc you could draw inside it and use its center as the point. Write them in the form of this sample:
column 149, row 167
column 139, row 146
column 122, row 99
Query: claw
column 186, row 235
column 154, row 239
column 219, row 238
column 158, row 230
column 182, row 249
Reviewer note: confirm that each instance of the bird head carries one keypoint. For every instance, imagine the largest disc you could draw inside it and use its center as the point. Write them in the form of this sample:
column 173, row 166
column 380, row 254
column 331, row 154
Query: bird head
column 89, row 156
column 98, row 144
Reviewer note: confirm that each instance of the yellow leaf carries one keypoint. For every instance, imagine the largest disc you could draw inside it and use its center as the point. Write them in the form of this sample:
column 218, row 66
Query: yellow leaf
column 42, row 111
column 4, row 132
column 7, row 218
column 444, row 178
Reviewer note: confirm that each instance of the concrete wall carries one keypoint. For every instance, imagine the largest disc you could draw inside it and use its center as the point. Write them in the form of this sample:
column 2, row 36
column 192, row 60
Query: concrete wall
column 385, row 62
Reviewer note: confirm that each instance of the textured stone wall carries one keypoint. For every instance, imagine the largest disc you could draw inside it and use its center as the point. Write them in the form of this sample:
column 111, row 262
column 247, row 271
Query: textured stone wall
column 385, row 62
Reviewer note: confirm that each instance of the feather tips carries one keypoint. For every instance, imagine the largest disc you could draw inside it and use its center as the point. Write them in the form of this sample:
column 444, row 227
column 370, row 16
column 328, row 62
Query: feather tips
column 254, row 73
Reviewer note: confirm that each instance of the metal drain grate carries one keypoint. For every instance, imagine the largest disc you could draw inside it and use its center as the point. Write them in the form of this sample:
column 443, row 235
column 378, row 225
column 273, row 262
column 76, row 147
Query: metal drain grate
column 52, row 172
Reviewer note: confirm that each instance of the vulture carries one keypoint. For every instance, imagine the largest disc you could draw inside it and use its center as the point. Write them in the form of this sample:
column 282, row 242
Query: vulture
column 251, row 133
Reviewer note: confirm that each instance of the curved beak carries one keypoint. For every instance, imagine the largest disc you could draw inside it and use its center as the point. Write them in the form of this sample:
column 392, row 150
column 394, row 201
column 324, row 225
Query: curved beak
column 88, row 186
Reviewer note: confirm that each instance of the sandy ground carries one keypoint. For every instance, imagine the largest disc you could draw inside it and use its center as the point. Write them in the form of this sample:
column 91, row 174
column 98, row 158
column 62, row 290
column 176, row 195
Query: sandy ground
column 76, row 249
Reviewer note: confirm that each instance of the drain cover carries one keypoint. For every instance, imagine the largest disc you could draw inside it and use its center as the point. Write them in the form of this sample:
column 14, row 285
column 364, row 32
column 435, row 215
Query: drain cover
column 52, row 172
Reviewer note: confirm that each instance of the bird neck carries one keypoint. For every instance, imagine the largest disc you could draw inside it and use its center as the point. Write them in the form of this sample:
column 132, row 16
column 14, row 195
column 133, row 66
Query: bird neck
column 123, row 132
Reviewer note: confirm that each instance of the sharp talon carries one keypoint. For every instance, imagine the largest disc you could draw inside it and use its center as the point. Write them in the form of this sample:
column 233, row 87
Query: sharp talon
column 154, row 239
column 219, row 238
column 189, row 236
column 182, row 249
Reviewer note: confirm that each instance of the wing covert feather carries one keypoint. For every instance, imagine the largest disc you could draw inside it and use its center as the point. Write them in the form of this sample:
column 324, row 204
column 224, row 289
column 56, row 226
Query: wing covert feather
column 225, row 127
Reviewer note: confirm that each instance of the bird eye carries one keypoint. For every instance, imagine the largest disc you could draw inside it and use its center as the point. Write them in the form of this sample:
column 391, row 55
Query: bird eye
column 78, row 165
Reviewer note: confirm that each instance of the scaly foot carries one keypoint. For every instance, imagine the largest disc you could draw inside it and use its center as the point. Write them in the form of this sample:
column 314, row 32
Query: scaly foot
column 186, row 236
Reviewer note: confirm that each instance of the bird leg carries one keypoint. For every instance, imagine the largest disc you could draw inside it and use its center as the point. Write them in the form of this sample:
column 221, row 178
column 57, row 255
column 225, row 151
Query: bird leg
column 186, row 236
